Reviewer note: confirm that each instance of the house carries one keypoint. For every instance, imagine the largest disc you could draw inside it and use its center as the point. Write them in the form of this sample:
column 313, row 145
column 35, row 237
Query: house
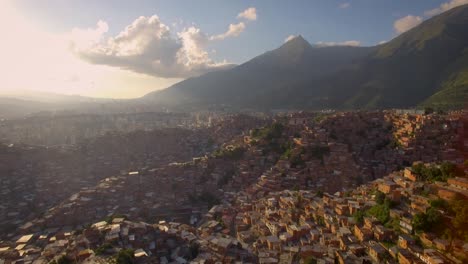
column 441, row 244
column 377, row 252
column 84, row 254
column 405, row 257
column 357, row 249
column 458, row 182
column 299, row 118
column 383, row 234
column 24, row 239
column 221, row 244
column 362, row 233
column 387, row 187
column 273, row 243
column 140, row 253
column 404, row 241
column 395, row 195
column 409, row 174
column 406, row 225
column 431, row 256
column 342, row 209
column 427, row 239
column 447, row 194
column 346, row 257
column 370, row 222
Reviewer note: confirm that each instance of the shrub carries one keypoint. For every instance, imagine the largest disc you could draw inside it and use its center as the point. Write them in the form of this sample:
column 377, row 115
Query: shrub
column 429, row 221
column 125, row 256
column 434, row 172
column 381, row 212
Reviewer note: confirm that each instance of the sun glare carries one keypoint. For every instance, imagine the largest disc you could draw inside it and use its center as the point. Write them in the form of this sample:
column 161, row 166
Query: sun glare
column 34, row 59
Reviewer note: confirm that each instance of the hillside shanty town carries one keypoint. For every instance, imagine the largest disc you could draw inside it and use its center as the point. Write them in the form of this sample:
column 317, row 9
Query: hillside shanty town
column 292, row 187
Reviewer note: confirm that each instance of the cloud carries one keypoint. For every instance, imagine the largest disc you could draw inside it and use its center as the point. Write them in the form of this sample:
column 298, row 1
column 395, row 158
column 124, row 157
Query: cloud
column 344, row 5
column 148, row 46
column 406, row 23
column 193, row 54
column 289, row 38
column 382, row 42
column 233, row 31
column 353, row 43
column 248, row 14
column 445, row 6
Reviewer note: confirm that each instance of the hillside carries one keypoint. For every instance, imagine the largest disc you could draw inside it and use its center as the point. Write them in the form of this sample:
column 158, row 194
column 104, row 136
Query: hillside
column 426, row 66
column 413, row 67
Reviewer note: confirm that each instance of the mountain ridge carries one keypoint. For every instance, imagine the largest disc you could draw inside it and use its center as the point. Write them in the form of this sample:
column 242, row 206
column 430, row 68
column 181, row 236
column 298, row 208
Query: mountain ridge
column 404, row 72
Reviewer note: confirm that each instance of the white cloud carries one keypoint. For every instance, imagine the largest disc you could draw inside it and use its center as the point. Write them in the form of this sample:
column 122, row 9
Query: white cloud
column 148, row 46
column 353, row 43
column 289, row 38
column 445, row 6
column 249, row 14
column 233, row 31
column 382, row 42
column 193, row 53
column 406, row 23
column 344, row 5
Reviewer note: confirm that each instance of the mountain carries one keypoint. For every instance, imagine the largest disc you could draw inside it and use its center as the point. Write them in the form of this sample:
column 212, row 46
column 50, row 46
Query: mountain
column 425, row 66
column 49, row 98
column 293, row 63
column 22, row 103
column 15, row 108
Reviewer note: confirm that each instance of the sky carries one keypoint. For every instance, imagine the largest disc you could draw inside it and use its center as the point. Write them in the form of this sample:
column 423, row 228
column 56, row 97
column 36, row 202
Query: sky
column 125, row 49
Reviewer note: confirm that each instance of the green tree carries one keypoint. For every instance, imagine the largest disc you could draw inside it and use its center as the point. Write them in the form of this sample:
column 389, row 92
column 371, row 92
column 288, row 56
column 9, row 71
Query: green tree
column 359, row 216
column 419, row 222
column 433, row 173
column 439, row 204
column 447, row 170
column 428, row 110
column 429, row 221
column 460, row 221
column 310, row 260
column 433, row 215
column 103, row 249
column 125, row 256
column 62, row 260
column 381, row 212
column 379, row 197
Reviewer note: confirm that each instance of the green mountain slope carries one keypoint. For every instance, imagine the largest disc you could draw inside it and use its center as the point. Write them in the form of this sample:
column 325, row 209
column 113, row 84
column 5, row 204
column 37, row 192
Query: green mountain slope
column 411, row 68
column 453, row 92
